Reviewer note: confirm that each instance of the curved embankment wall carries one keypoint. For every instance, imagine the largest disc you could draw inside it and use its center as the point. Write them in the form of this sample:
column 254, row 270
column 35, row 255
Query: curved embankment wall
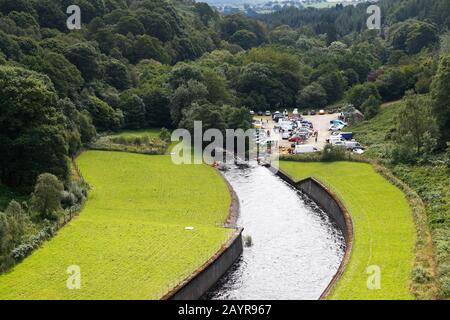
column 332, row 205
column 205, row 277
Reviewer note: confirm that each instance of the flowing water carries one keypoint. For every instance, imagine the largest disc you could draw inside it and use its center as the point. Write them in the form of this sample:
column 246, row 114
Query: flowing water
column 295, row 249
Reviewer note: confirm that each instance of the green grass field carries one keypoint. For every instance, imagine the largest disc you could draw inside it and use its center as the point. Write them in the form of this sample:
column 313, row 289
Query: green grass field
column 384, row 232
column 130, row 240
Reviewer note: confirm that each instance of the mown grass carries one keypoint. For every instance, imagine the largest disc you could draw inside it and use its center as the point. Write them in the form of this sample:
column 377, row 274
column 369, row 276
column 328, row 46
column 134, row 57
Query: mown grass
column 384, row 231
column 429, row 179
column 130, row 240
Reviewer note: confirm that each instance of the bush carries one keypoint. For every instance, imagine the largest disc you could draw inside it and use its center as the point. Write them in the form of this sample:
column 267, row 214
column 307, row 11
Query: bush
column 21, row 252
column 165, row 135
column 248, row 241
column 420, row 275
column 46, row 198
column 333, row 153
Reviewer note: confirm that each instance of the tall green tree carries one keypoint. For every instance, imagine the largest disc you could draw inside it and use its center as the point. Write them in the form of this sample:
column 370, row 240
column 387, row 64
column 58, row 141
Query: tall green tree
column 441, row 99
column 32, row 139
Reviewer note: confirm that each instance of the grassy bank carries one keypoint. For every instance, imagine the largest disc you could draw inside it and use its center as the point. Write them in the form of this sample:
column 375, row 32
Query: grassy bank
column 430, row 180
column 130, row 240
column 383, row 228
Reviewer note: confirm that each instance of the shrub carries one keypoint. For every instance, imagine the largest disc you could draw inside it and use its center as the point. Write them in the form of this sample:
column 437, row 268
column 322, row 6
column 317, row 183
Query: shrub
column 333, row 153
column 46, row 198
column 165, row 135
column 248, row 241
column 421, row 275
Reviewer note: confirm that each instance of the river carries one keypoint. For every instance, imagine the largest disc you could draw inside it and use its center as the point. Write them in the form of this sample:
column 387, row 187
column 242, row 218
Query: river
column 295, row 249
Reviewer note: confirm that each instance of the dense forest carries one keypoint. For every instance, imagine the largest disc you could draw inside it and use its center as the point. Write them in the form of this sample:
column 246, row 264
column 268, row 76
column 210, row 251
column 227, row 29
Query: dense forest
column 154, row 63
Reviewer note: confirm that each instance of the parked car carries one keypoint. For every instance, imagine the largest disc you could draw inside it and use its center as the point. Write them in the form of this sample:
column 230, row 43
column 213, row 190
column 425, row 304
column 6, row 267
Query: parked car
column 295, row 112
column 285, row 135
column 257, row 124
column 268, row 113
column 338, row 143
column 358, row 151
column 339, row 122
column 336, row 127
column 322, row 112
column 297, row 138
column 305, row 113
column 352, row 145
column 252, row 112
column 285, row 113
column 313, row 112
column 260, row 113
column 305, row 148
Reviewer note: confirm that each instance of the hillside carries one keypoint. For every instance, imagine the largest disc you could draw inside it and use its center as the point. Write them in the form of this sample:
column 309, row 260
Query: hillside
column 429, row 179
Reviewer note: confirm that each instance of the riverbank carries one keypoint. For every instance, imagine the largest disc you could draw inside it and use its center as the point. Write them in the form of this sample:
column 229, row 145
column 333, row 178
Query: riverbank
column 141, row 233
column 384, row 233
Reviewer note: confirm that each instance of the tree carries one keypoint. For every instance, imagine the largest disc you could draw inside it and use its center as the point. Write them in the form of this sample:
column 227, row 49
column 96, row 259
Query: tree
column 85, row 58
column 32, row 138
column 117, row 75
column 210, row 115
column 50, row 15
column 440, row 93
column 184, row 96
column 358, row 94
column 333, row 84
column 129, row 24
column 393, row 84
column 133, row 109
column 146, row 47
column 416, row 125
column 244, row 38
column 65, row 76
column 46, row 198
column 413, row 35
column 312, row 96
column 371, row 107
column 104, row 116
column 157, row 107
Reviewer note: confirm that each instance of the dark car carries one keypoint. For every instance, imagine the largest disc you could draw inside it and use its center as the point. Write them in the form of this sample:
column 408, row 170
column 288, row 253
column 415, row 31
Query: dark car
column 260, row 113
column 313, row 112
column 305, row 113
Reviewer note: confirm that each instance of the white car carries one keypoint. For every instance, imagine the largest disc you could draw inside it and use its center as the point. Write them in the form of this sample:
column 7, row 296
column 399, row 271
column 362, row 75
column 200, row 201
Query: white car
column 322, row 112
column 336, row 127
column 305, row 148
column 358, row 151
column 285, row 135
column 295, row 112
